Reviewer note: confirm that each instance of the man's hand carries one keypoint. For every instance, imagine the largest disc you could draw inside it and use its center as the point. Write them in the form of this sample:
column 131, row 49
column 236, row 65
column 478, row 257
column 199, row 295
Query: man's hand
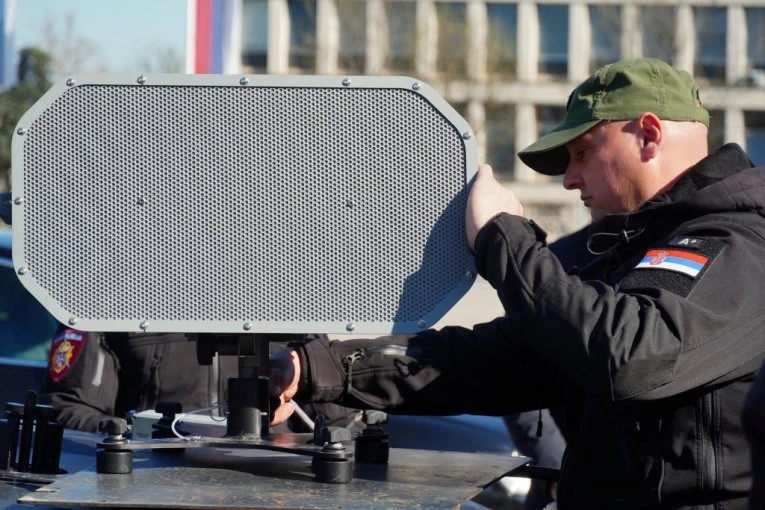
column 487, row 199
column 284, row 377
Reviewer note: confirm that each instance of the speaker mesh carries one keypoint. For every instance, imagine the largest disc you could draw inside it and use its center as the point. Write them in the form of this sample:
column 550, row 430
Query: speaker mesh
column 201, row 208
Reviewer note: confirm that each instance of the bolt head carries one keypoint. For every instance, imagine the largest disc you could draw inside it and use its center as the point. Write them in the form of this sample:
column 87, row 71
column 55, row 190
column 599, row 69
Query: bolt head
column 113, row 426
column 350, row 326
column 72, row 321
column 346, row 82
column 22, row 270
column 466, row 135
column 247, row 326
column 70, row 82
column 416, row 85
column 18, row 201
column 141, row 80
column 21, row 131
column 244, row 80
column 144, row 325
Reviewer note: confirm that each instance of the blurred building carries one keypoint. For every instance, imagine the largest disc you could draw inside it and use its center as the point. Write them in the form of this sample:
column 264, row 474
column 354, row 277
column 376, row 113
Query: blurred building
column 508, row 66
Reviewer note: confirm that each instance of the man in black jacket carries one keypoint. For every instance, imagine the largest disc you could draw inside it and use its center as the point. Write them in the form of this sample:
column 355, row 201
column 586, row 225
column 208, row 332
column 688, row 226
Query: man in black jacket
column 95, row 376
column 651, row 344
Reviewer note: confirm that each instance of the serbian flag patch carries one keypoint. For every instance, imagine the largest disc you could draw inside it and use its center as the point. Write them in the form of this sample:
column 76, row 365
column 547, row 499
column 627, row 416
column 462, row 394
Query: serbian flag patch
column 679, row 261
column 65, row 348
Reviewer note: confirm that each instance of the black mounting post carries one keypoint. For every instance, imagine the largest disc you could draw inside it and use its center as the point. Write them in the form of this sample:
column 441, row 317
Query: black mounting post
column 30, row 441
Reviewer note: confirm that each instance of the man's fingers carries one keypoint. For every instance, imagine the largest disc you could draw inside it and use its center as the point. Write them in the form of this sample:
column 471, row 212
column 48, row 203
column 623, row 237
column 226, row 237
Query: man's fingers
column 282, row 413
column 484, row 172
column 487, row 198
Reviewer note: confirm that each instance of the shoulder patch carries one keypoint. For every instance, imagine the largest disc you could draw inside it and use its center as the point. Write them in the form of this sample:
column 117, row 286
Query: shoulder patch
column 65, row 348
column 681, row 261
column 676, row 266
column 686, row 242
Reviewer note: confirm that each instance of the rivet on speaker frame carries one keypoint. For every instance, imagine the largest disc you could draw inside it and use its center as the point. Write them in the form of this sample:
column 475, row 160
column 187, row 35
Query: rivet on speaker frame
column 141, row 79
column 466, row 135
column 18, row 201
column 247, row 326
column 416, row 85
column 22, row 270
column 72, row 321
column 346, row 82
column 144, row 325
column 421, row 324
column 469, row 274
column 70, row 82
column 21, row 131
column 244, row 81
column 350, row 326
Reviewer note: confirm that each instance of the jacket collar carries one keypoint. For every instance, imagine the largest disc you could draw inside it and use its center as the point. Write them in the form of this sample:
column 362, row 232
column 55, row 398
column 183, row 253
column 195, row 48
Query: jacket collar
column 701, row 189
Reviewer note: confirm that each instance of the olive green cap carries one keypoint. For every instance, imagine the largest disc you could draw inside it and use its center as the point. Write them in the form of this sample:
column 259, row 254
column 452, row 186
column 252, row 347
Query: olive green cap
column 623, row 90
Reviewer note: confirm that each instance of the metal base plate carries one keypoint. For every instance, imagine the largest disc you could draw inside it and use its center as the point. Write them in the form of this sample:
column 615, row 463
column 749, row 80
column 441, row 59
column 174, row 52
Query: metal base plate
column 204, row 478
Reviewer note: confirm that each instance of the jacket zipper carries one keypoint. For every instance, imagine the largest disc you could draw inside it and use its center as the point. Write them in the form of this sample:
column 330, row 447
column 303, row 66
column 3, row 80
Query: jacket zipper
column 348, row 362
column 709, row 454
column 362, row 353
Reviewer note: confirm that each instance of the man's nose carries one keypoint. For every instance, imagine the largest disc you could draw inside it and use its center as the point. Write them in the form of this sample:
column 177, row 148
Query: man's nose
column 571, row 179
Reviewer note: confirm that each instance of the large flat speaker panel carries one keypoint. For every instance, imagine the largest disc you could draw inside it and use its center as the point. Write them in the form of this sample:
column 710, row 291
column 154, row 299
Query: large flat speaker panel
column 228, row 204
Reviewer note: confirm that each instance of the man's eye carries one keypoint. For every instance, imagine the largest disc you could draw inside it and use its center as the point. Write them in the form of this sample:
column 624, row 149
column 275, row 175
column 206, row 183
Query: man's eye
column 580, row 154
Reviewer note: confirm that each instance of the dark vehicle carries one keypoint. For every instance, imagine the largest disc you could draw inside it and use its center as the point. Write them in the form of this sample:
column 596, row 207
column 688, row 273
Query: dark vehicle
column 25, row 331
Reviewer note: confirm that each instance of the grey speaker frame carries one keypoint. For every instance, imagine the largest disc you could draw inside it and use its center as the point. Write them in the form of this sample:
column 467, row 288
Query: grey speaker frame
column 241, row 325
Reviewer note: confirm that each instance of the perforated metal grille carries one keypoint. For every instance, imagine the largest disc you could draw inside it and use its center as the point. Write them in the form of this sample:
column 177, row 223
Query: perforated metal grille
column 229, row 204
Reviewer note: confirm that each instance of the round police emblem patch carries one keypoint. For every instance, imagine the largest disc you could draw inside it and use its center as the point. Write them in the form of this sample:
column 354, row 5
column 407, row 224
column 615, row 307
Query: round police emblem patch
column 64, row 351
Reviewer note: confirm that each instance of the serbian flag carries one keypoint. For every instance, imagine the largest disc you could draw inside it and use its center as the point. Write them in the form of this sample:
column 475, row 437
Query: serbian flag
column 213, row 36
column 680, row 261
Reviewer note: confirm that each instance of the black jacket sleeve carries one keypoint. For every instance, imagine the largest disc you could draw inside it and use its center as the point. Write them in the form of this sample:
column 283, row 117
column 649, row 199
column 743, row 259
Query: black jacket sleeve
column 637, row 341
column 450, row 371
column 83, row 393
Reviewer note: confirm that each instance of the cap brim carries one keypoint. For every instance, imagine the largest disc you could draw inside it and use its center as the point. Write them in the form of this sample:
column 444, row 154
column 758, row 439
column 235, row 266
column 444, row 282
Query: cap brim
column 548, row 155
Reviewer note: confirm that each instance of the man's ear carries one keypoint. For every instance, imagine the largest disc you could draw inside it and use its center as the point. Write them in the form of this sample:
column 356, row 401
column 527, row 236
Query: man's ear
column 650, row 135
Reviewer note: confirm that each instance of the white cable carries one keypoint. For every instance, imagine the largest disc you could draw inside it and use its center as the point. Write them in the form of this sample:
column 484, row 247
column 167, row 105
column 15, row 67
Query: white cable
column 303, row 416
column 180, row 416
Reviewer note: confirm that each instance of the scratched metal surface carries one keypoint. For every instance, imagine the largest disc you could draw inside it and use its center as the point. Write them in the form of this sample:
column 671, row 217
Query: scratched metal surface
column 233, row 478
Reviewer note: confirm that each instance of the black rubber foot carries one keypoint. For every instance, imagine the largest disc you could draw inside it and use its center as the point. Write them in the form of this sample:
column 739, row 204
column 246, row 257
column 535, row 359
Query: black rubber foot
column 332, row 471
column 114, row 462
column 372, row 450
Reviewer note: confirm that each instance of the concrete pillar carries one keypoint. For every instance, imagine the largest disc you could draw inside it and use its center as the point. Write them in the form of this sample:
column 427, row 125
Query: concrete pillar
column 477, row 40
column 735, row 127
column 476, row 117
column 528, row 41
column 632, row 36
column 579, row 41
column 278, row 37
column 327, row 36
column 525, row 134
column 377, row 36
column 685, row 38
column 735, row 45
column 426, row 54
